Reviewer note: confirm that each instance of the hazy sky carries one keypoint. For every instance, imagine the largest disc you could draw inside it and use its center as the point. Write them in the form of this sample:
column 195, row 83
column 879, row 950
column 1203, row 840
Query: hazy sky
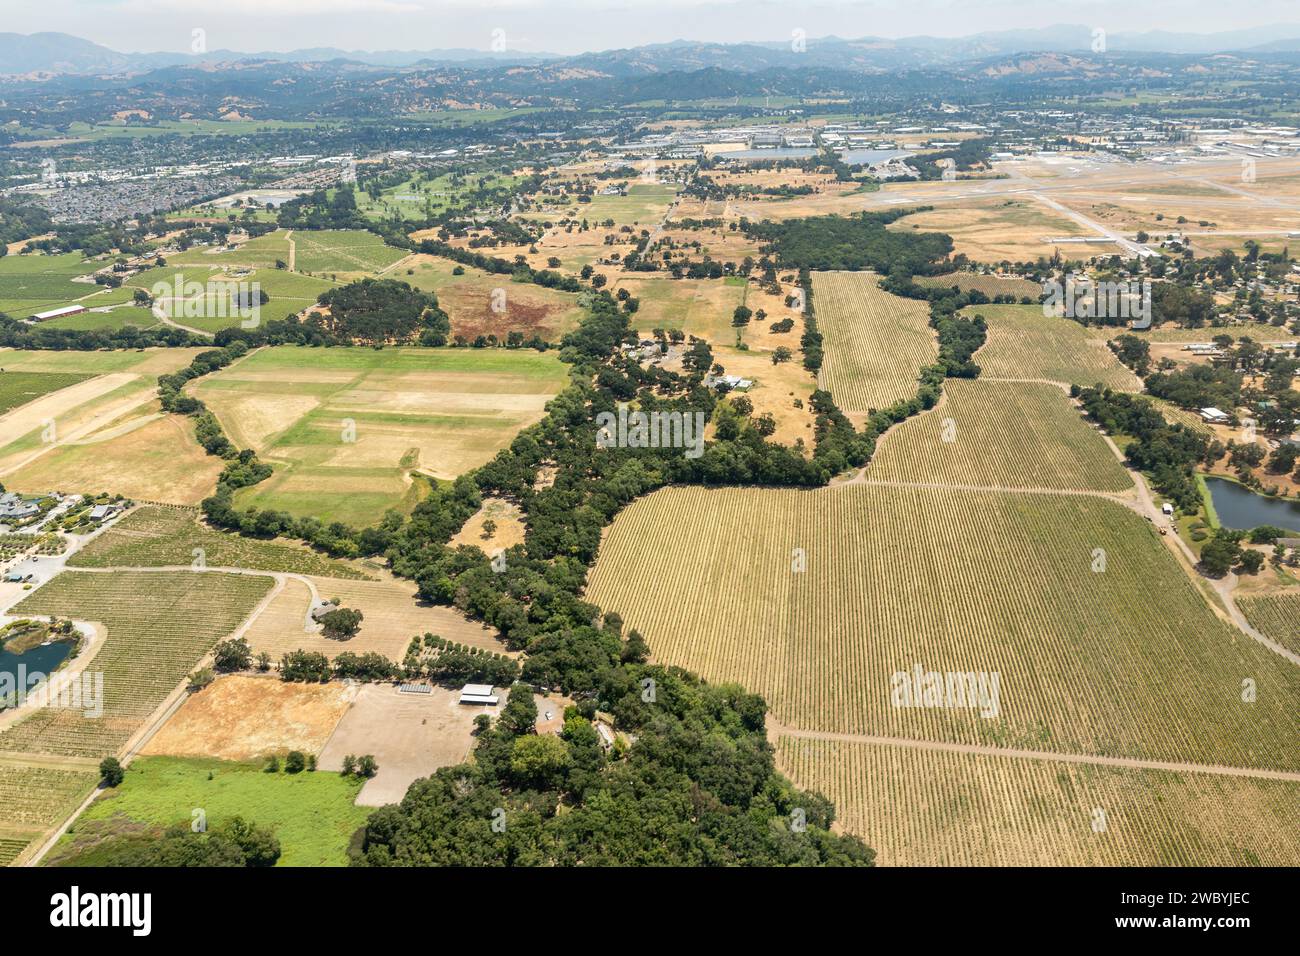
column 571, row 26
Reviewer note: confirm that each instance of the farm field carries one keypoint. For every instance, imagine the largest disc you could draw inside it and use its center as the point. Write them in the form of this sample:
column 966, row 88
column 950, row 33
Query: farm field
column 34, row 799
column 1024, row 344
column 345, row 428
column 934, row 808
column 160, row 624
column 239, row 717
column 312, row 813
column 143, row 454
column 876, row 343
column 152, row 536
column 1089, row 661
column 700, row 307
column 392, row 612
column 1257, row 331
column 335, row 254
column 1276, row 615
column 105, row 319
column 468, row 301
column 1000, row 435
column 113, row 410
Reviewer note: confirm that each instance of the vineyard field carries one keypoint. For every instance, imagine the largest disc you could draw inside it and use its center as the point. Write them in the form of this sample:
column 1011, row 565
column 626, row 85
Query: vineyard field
column 1000, row 434
column 933, row 808
column 1101, row 642
column 159, row 624
column 1025, row 344
column 875, row 343
column 1275, row 615
column 991, row 286
column 159, row 536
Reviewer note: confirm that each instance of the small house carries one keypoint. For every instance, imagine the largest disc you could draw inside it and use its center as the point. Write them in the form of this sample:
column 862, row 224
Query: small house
column 1215, row 416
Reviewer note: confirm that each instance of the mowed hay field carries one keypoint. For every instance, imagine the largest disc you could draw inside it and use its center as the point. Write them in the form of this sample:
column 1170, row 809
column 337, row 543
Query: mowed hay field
column 160, row 624
column 108, row 431
column 995, row 230
column 1276, row 615
column 1024, row 344
column 345, row 427
column 939, row 808
column 1000, row 435
column 1127, row 661
column 392, row 617
column 875, row 343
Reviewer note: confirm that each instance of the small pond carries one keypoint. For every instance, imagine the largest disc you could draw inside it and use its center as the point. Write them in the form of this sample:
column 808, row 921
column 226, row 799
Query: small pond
column 1240, row 508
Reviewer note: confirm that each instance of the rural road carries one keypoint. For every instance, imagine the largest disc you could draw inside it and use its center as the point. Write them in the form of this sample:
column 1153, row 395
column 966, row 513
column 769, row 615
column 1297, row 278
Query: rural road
column 776, row 730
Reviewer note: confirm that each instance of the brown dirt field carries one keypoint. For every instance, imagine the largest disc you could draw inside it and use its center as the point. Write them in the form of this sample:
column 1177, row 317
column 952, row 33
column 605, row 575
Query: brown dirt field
column 410, row 736
column 392, row 618
column 509, row 532
column 241, row 717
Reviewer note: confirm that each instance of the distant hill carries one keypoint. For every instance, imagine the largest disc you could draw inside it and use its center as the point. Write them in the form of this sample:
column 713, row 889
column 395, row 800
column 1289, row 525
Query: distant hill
column 60, row 53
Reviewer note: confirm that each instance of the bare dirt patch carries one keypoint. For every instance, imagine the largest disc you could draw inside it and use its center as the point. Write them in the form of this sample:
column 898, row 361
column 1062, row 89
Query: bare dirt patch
column 410, row 736
column 241, row 717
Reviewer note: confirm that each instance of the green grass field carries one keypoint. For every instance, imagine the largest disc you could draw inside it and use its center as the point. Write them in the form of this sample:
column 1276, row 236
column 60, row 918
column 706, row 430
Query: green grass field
column 312, row 813
column 425, row 195
column 644, row 205
column 344, row 428
column 117, row 318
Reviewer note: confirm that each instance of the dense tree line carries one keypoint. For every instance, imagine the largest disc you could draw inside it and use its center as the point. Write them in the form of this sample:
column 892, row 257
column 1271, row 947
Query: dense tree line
column 377, row 311
column 1166, row 454
column 853, row 243
column 699, row 788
